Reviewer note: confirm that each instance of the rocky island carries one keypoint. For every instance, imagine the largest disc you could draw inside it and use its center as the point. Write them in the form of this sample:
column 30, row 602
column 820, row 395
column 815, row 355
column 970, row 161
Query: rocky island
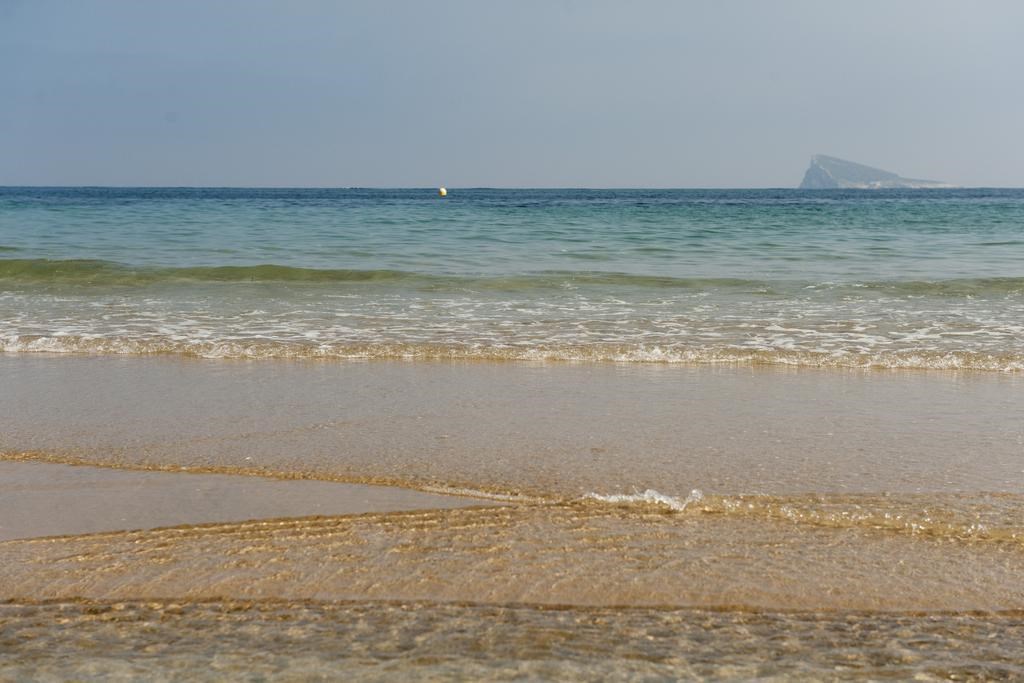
column 828, row 173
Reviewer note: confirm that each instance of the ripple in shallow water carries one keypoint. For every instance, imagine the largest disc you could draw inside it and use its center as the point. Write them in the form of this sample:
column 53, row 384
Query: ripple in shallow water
column 161, row 640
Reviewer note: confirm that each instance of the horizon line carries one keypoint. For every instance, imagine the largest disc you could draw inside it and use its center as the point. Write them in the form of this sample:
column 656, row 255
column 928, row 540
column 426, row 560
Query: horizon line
column 434, row 188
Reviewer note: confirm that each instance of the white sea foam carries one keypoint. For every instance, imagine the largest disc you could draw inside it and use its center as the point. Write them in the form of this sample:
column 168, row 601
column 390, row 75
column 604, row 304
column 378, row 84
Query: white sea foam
column 648, row 497
column 208, row 346
column 817, row 330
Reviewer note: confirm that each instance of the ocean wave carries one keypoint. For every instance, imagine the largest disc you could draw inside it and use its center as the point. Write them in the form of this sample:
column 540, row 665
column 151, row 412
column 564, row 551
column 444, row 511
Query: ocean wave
column 94, row 272
column 98, row 272
column 259, row 349
column 107, row 273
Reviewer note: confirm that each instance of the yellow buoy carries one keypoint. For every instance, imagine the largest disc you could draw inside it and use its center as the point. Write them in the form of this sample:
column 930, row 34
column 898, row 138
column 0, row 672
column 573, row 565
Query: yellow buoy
column 442, row 191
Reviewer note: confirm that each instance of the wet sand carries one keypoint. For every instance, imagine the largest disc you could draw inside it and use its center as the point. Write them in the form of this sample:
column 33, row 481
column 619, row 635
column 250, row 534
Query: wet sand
column 849, row 524
column 544, row 429
column 45, row 499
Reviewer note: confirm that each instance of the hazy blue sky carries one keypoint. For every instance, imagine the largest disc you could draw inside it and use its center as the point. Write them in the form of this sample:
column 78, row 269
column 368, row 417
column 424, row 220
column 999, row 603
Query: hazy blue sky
column 570, row 93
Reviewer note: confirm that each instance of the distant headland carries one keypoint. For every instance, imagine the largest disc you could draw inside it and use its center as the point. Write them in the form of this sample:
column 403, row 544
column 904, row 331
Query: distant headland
column 828, row 173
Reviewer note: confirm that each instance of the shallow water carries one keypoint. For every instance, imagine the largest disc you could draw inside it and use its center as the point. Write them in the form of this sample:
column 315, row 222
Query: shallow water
column 782, row 438
column 551, row 431
column 373, row 641
column 592, row 555
column 653, row 485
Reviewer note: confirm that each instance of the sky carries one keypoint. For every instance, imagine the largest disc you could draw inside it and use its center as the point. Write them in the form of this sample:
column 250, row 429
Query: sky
column 524, row 93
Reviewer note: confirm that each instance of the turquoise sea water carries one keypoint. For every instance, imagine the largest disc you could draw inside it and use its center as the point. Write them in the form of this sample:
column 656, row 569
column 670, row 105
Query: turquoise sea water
column 846, row 278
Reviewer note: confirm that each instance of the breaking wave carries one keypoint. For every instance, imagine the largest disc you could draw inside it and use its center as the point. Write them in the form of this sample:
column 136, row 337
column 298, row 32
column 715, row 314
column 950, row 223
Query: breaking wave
column 99, row 272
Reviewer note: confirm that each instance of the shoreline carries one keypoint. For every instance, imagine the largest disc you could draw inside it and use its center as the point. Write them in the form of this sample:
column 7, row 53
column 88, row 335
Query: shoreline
column 915, row 361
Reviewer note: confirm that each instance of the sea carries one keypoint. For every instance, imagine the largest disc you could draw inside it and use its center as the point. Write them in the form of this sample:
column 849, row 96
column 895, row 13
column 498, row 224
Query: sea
column 726, row 434
column 891, row 279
